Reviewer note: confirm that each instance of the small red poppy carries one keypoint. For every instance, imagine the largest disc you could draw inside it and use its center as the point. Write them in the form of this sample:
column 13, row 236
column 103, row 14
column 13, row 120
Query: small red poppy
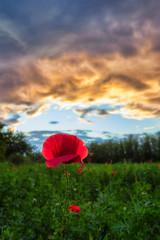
column 158, row 165
column 66, row 173
column 73, row 208
column 150, row 161
column 12, row 167
column 64, row 148
column 106, row 163
column 113, row 172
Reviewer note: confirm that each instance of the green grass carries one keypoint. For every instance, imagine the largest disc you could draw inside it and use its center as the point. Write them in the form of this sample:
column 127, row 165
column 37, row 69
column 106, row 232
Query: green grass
column 34, row 202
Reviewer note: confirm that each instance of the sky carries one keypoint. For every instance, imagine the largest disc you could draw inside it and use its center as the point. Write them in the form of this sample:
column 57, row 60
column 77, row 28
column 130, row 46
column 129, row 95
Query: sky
column 88, row 68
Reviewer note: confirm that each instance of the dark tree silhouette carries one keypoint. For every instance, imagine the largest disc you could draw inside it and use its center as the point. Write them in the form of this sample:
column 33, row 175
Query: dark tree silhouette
column 128, row 150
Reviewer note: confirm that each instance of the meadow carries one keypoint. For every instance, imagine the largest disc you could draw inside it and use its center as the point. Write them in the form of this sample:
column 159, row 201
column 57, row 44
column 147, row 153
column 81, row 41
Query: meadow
column 117, row 202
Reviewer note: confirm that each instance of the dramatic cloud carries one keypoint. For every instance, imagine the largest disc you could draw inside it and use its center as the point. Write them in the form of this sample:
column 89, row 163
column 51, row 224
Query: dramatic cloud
column 84, row 53
column 90, row 111
column 13, row 119
column 36, row 109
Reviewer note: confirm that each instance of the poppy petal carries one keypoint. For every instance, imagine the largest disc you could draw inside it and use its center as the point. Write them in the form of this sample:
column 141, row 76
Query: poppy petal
column 62, row 159
column 82, row 150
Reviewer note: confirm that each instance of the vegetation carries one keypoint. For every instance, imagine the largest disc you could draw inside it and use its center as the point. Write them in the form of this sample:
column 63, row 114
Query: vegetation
column 117, row 201
column 128, row 150
column 15, row 148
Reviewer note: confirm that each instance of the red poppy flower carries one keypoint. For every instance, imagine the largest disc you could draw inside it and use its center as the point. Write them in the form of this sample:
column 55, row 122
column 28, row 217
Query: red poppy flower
column 64, row 148
column 158, row 165
column 106, row 163
column 113, row 172
column 73, row 208
column 150, row 161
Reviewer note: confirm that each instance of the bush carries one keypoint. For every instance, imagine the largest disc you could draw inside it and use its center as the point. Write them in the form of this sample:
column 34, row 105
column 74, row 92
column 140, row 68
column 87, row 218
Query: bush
column 18, row 158
column 36, row 157
column 2, row 153
column 13, row 143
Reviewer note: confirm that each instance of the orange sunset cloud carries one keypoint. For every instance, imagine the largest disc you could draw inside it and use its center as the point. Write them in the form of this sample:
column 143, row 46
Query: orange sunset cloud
column 107, row 61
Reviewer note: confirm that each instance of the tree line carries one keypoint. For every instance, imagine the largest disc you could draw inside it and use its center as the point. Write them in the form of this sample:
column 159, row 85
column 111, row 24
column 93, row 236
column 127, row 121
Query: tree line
column 15, row 148
column 135, row 150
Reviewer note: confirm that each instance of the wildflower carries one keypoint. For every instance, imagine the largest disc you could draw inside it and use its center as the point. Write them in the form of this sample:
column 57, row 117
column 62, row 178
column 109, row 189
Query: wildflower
column 158, row 165
column 12, row 167
column 34, row 200
column 73, row 208
column 113, row 172
column 64, row 148
column 66, row 173
column 106, row 163
column 150, row 161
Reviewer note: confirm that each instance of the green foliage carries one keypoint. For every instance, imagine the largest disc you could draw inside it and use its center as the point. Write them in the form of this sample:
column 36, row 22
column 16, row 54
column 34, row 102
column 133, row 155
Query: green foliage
column 36, row 157
column 2, row 153
column 127, row 150
column 15, row 148
column 125, row 205
column 16, row 143
column 19, row 158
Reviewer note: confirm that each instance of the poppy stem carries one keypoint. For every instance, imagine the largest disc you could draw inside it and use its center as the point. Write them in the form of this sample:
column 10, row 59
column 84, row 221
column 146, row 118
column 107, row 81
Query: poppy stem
column 66, row 203
column 67, row 184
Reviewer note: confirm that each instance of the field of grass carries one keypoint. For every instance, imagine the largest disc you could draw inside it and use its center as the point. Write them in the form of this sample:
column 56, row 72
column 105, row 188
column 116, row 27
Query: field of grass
column 117, row 201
